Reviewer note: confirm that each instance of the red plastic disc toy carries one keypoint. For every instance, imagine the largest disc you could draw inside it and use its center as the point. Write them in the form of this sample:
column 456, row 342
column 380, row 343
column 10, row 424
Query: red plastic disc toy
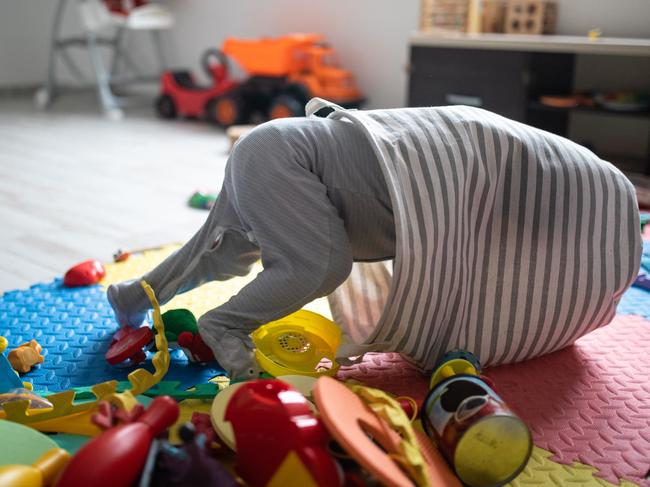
column 128, row 344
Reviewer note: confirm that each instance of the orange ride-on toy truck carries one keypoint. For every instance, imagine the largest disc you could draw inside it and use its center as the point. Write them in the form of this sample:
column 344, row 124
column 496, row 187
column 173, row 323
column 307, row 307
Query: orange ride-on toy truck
column 282, row 75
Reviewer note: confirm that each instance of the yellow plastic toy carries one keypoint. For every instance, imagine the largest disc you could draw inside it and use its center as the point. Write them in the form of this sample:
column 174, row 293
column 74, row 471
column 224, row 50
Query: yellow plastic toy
column 25, row 356
column 302, row 343
column 452, row 367
column 42, row 473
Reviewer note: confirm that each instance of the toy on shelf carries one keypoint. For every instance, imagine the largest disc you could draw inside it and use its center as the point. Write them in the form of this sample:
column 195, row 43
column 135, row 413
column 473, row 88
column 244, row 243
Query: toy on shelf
column 530, row 17
column 623, row 101
column 117, row 456
column 283, row 74
column 302, row 343
column 484, row 441
column 444, row 14
column 202, row 200
column 42, row 473
column 86, row 273
column 23, row 357
column 270, row 416
column 8, row 377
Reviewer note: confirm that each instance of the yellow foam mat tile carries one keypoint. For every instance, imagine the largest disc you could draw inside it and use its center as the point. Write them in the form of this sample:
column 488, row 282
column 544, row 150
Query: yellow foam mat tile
column 199, row 300
column 542, row 471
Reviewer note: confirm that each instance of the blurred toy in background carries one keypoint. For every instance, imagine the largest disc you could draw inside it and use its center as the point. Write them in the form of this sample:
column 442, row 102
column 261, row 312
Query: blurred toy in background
column 86, row 273
column 8, row 377
column 42, row 473
column 484, row 441
column 117, row 457
column 623, row 101
column 121, row 256
column 279, row 440
column 282, row 75
column 202, row 200
column 489, row 16
column 25, row 356
column 122, row 6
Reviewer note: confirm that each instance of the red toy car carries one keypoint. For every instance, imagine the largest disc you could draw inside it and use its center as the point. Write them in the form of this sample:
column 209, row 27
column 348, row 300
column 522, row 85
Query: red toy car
column 182, row 96
column 280, row 76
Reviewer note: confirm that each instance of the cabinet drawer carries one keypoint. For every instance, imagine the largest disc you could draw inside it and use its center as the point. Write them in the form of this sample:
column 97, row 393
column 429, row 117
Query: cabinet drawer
column 494, row 80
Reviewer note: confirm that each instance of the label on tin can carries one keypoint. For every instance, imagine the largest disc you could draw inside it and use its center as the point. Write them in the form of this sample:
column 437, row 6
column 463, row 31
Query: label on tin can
column 486, row 443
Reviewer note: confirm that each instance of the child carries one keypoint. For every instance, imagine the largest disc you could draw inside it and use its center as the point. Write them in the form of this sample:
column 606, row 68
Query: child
column 505, row 240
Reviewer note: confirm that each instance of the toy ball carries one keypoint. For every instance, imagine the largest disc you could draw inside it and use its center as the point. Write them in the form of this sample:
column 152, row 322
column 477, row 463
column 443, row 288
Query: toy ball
column 302, row 343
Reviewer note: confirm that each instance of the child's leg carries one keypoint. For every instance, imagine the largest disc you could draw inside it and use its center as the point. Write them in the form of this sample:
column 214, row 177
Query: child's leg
column 213, row 253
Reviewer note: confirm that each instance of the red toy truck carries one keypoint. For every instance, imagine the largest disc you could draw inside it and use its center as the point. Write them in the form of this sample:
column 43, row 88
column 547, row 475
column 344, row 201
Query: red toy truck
column 283, row 74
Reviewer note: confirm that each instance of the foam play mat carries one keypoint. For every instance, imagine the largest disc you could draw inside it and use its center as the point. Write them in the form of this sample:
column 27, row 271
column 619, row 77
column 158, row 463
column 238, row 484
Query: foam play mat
column 588, row 406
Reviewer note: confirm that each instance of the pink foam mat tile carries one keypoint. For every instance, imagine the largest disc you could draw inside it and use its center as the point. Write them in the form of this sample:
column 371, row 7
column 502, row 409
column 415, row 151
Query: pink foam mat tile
column 589, row 402
column 390, row 372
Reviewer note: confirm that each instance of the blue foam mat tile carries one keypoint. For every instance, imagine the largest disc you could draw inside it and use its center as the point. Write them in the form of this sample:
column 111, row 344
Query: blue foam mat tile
column 75, row 326
column 635, row 301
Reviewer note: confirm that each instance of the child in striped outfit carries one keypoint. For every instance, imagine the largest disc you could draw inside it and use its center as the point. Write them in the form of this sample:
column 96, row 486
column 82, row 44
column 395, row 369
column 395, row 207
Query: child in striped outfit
column 504, row 240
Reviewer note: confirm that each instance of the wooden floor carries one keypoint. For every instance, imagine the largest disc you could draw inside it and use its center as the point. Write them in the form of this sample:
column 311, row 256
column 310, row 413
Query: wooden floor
column 74, row 185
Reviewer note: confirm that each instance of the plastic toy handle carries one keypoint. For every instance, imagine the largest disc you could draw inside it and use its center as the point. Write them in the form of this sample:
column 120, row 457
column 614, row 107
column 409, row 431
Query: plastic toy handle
column 51, row 463
column 161, row 414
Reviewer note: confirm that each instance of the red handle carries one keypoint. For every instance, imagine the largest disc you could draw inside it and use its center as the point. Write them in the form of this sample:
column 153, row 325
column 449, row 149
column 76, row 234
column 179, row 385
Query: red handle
column 160, row 415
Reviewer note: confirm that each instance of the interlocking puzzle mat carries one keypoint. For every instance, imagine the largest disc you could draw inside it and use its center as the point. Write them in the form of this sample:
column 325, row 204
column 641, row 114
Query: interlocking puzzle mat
column 610, row 404
column 589, row 402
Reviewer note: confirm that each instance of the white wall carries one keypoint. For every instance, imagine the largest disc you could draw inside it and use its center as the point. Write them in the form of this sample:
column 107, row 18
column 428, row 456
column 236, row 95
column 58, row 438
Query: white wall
column 369, row 35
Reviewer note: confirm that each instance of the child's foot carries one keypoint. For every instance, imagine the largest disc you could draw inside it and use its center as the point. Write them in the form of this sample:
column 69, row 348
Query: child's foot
column 119, row 295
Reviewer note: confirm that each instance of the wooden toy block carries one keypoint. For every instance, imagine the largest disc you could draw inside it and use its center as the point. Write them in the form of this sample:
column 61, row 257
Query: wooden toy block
column 530, row 17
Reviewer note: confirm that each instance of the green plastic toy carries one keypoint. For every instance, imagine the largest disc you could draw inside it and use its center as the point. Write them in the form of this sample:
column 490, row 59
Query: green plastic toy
column 176, row 322
column 202, row 201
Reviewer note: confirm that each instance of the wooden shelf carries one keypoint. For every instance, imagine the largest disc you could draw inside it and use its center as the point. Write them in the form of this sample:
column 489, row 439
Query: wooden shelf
column 533, row 43
column 535, row 105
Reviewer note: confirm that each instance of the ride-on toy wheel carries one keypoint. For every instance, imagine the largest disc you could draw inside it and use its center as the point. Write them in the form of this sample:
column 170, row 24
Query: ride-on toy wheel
column 227, row 110
column 165, row 107
column 285, row 106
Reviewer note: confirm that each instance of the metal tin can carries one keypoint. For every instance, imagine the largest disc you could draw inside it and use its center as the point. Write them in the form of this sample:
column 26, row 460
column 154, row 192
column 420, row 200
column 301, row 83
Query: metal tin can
column 484, row 441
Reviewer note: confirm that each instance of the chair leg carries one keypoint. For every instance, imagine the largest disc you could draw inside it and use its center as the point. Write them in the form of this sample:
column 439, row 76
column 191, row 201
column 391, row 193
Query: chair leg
column 118, row 52
column 46, row 94
column 155, row 35
column 107, row 100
